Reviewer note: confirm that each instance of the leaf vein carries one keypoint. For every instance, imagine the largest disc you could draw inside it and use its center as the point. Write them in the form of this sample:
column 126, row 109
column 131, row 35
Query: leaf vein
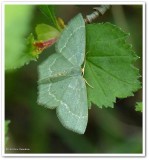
column 109, row 73
column 97, row 80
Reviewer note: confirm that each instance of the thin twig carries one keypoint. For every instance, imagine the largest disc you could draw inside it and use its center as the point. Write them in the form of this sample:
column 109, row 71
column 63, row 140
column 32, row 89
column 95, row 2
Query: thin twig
column 98, row 11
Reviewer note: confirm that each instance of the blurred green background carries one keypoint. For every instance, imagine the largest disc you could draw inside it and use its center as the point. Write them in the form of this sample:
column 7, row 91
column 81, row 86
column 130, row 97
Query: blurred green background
column 117, row 130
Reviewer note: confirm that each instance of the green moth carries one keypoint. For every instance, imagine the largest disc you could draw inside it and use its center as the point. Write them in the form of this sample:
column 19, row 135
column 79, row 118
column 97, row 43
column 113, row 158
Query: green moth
column 61, row 82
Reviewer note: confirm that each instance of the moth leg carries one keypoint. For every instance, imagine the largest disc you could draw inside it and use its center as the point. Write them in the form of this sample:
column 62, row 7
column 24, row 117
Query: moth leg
column 87, row 83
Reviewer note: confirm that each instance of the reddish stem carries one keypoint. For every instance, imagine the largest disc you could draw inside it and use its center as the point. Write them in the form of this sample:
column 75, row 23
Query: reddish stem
column 45, row 44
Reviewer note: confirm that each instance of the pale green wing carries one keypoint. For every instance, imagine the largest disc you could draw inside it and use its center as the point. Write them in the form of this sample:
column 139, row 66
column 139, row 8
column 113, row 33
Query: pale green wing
column 61, row 83
column 50, row 94
column 66, row 92
column 72, row 41
column 73, row 109
column 56, row 68
column 52, row 72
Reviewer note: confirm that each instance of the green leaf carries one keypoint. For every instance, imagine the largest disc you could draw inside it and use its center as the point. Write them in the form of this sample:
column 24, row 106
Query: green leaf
column 139, row 106
column 17, row 22
column 109, row 65
column 48, row 11
column 46, row 36
column 45, row 32
column 7, row 122
column 31, row 50
column 61, row 84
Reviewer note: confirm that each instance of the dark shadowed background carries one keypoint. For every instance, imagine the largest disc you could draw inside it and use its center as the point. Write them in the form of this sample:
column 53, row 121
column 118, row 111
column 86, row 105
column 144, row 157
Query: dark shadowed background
column 117, row 130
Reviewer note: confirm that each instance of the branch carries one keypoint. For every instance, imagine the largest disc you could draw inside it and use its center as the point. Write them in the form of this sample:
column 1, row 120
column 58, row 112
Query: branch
column 98, row 11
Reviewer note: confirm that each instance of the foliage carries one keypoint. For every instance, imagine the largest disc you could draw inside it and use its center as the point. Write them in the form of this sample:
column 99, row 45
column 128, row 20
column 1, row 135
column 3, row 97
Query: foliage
column 21, row 51
column 16, row 28
column 139, row 106
column 45, row 32
column 7, row 122
column 48, row 10
column 46, row 37
column 109, row 65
